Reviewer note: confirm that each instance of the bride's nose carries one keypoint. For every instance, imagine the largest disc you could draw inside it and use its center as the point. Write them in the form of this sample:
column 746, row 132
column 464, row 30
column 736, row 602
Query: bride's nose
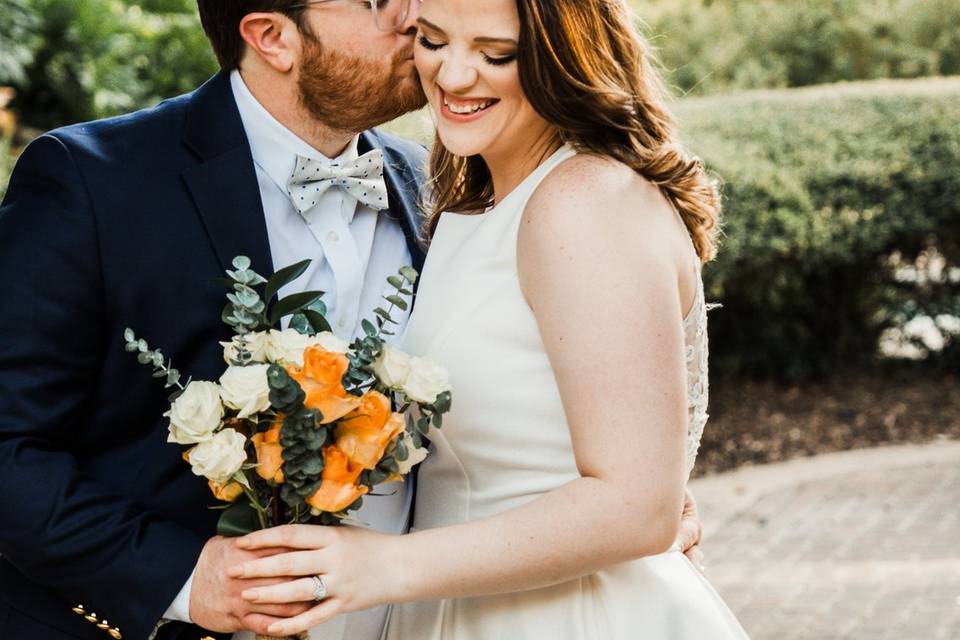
column 456, row 75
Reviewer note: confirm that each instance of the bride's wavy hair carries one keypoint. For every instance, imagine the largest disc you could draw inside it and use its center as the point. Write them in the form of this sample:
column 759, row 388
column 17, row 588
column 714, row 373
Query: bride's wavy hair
column 587, row 71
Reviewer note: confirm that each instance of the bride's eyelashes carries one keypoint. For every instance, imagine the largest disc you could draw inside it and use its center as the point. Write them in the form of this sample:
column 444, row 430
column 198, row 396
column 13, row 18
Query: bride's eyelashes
column 496, row 61
column 427, row 44
column 502, row 60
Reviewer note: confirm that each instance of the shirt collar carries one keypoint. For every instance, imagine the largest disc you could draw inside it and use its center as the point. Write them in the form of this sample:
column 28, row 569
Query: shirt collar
column 274, row 147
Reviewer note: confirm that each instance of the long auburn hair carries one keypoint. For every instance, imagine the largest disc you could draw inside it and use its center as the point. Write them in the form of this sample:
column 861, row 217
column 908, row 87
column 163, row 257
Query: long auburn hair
column 586, row 70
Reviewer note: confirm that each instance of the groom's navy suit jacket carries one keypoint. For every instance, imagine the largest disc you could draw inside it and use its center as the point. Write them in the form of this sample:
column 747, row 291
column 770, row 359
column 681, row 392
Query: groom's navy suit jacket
column 113, row 224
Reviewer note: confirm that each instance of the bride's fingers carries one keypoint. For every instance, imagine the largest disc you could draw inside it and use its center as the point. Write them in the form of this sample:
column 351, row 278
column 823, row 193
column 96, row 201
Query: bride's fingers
column 295, row 563
column 321, row 613
column 294, row 591
column 292, row 536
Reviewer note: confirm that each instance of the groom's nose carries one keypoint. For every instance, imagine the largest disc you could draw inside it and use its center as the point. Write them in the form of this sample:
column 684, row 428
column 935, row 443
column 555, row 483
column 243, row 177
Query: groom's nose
column 409, row 25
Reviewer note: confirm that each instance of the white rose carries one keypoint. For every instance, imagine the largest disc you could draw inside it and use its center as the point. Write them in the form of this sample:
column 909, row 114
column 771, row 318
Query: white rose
column 287, row 346
column 392, row 367
column 330, row 342
column 415, row 457
column 221, row 457
column 246, row 389
column 195, row 414
column 256, row 344
column 426, row 381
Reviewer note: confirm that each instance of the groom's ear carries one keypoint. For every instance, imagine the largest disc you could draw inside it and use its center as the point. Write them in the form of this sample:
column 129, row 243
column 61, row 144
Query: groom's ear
column 272, row 37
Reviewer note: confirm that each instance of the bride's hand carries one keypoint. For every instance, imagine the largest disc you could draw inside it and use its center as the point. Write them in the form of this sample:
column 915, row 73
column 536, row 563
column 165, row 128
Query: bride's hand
column 357, row 567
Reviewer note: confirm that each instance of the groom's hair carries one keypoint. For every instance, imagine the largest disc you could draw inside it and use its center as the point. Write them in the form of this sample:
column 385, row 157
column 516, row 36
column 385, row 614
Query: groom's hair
column 221, row 22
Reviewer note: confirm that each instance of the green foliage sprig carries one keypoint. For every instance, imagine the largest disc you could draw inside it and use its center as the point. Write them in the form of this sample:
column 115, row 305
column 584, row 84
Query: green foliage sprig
column 249, row 310
column 302, row 437
column 365, row 350
column 162, row 367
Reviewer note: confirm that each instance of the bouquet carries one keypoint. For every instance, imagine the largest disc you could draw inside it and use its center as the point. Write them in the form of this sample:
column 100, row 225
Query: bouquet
column 301, row 425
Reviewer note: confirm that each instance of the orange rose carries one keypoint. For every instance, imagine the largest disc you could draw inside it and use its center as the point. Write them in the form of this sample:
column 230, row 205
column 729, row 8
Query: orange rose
column 228, row 492
column 321, row 378
column 338, row 488
column 270, row 453
column 365, row 432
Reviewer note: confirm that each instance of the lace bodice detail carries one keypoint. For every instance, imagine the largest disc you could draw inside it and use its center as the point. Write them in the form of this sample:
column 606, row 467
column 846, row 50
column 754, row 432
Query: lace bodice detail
column 698, row 378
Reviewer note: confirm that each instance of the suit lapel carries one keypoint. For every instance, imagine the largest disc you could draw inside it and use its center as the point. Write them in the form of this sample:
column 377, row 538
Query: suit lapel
column 403, row 190
column 224, row 185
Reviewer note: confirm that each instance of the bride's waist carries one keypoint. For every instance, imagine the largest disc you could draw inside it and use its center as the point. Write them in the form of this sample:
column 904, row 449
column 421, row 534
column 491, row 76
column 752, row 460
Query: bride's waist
column 447, row 496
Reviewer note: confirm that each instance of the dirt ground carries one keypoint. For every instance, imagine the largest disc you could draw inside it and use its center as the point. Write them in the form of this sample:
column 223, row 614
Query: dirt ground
column 756, row 423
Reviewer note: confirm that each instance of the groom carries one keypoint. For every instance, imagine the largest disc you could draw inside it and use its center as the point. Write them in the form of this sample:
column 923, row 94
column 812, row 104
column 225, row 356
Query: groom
column 104, row 532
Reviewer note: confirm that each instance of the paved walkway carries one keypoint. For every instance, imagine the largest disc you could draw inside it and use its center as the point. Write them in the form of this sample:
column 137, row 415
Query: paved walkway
column 860, row 545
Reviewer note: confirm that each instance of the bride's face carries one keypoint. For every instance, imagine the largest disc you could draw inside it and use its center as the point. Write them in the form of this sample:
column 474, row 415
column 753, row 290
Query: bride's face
column 466, row 55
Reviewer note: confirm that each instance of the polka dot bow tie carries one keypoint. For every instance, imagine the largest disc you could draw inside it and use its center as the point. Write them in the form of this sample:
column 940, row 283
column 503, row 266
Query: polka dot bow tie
column 362, row 179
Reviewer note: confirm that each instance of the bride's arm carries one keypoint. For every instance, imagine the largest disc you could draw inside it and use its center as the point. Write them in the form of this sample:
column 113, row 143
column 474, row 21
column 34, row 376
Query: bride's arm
column 601, row 265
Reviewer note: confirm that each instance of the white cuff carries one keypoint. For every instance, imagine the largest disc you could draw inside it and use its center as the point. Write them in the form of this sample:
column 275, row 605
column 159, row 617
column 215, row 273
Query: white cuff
column 179, row 610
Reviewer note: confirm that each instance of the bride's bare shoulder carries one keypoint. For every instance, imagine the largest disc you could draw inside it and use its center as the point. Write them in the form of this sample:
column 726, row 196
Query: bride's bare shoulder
column 601, row 194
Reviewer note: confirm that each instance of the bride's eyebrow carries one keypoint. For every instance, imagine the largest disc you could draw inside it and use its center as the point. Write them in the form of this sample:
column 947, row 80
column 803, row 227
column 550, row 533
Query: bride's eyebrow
column 429, row 25
column 487, row 40
column 480, row 40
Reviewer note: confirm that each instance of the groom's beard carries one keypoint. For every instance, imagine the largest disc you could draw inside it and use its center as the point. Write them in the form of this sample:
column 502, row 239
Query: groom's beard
column 349, row 94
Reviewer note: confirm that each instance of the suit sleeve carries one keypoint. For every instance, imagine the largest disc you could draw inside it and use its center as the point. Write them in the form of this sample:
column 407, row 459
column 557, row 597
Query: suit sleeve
column 61, row 528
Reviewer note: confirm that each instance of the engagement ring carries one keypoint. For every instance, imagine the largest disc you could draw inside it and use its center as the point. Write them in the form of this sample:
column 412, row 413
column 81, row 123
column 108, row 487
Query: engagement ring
column 319, row 589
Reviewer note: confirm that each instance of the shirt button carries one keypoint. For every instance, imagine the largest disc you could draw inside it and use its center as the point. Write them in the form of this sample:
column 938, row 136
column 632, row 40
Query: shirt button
column 333, row 236
column 342, row 322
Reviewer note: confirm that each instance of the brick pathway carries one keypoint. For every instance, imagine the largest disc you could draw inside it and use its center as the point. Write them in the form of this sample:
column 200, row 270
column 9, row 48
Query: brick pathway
column 861, row 545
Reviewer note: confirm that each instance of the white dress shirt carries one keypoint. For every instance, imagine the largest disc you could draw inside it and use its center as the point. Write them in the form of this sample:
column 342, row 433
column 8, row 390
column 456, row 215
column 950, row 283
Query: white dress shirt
column 353, row 249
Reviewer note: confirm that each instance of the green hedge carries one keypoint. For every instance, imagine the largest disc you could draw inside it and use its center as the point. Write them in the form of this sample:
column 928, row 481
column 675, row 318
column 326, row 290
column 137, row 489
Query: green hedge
column 720, row 45
column 95, row 58
column 826, row 190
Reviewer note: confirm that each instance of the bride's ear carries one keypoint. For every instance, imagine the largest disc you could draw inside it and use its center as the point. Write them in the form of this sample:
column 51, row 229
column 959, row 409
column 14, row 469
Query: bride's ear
column 273, row 38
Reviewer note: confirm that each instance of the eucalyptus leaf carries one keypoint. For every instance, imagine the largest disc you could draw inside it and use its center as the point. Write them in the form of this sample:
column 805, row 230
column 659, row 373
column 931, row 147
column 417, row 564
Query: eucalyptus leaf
column 397, row 301
column 284, row 277
column 383, row 313
column 238, row 520
column 292, row 304
column 443, row 402
column 395, row 282
column 409, row 274
column 317, row 321
column 241, row 263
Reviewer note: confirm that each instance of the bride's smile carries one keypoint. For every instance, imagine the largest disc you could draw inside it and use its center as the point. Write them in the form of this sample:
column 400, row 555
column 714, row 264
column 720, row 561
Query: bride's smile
column 466, row 53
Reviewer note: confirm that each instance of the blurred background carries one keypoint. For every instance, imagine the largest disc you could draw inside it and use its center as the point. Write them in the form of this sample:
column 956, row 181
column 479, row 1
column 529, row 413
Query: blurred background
column 834, row 126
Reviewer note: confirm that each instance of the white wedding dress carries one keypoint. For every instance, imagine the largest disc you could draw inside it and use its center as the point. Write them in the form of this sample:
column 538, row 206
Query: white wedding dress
column 506, row 442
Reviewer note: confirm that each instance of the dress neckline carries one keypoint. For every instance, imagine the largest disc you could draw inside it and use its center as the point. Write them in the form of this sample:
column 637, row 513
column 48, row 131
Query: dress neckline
column 547, row 164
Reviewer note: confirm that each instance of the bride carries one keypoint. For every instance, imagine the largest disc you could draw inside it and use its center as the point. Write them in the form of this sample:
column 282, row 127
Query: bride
column 563, row 293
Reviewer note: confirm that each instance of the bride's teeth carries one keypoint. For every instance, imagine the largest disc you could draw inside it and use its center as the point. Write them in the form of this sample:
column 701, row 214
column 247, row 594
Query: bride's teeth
column 467, row 109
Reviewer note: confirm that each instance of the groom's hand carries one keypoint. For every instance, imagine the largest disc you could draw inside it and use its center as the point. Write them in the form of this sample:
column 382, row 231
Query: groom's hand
column 215, row 602
column 691, row 531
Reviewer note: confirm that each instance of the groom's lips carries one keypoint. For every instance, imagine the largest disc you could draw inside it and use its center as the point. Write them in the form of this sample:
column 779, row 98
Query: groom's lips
column 447, row 114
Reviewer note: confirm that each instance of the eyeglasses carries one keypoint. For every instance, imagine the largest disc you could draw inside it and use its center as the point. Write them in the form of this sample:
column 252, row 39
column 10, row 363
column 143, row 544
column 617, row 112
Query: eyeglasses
column 388, row 15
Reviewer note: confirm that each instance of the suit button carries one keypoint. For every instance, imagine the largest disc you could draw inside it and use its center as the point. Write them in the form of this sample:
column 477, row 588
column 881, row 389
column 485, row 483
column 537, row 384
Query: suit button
column 103, row 626
column 115, row 634
column 79, row 610
column 92, row 618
